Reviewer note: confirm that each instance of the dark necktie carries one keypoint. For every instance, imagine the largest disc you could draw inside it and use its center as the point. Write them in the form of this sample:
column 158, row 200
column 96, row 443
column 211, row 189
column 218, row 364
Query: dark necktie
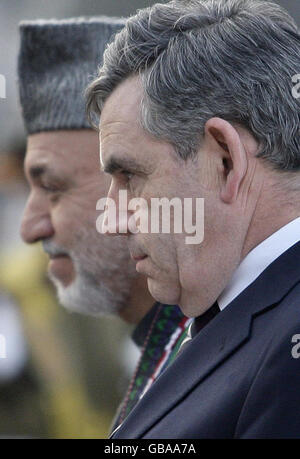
column 199, row 323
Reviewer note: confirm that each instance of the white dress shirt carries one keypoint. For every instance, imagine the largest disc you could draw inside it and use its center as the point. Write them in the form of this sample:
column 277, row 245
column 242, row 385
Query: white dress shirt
column 258, row 259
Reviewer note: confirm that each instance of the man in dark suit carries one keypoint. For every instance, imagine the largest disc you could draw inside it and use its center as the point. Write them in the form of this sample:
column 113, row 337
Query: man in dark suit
column 201, row 100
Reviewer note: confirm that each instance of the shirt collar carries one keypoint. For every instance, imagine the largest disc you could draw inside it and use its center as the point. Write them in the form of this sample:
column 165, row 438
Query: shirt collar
column 258, row 259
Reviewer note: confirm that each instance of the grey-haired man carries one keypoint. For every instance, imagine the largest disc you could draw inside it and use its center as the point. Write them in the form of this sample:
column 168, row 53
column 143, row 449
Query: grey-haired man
column 207, row 90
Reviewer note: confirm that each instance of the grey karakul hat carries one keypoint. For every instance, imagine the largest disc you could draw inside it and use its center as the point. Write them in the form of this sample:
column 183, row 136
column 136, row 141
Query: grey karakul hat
column 57, row 60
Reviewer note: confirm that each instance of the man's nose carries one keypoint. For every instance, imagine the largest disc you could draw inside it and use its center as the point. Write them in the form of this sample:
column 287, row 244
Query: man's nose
column 36, row 223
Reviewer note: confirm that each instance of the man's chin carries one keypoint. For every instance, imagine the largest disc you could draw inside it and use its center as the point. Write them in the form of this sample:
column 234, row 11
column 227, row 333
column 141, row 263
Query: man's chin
column 85, row 297
column 163, row 294
column 70, row 301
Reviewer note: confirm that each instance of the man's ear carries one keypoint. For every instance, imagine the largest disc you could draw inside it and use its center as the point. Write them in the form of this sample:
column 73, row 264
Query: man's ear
column 233, row 156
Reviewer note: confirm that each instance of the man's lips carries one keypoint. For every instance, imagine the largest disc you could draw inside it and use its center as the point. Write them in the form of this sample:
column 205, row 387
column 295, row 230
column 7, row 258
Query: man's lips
column 138, row 257
column 55, row 254
column 61, row 267
column 58, row 255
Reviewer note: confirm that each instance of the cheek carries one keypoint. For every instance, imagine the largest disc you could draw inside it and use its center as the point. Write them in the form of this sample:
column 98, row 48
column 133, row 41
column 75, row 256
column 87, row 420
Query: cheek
column 164, row 253
column 187, row 258
column 74, row 210
column 67, row 219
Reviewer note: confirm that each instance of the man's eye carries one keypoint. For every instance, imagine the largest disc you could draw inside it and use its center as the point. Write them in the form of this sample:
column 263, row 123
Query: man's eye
column 128, row 175
column 49, row 188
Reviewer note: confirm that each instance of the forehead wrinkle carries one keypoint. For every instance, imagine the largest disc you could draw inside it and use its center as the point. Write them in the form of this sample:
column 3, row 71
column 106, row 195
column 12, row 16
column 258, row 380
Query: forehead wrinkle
column 111, row 123
column 42, row 151
column 114, row 128
column 108, row 135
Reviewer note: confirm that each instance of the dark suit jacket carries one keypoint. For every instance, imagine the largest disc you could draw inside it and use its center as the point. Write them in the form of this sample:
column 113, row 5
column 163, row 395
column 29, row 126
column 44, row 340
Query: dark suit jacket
column 237, row 378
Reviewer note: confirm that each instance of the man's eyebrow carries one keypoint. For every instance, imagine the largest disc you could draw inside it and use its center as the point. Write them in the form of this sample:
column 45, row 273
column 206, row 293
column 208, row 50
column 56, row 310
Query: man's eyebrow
column 37, row 171
column 116, row 164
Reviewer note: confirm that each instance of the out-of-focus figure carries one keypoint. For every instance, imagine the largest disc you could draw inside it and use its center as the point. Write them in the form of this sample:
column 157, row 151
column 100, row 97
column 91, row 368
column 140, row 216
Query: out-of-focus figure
column 47, row 378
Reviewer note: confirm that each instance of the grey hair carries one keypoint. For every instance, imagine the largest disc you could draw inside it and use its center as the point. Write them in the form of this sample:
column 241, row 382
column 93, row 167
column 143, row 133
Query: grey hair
column 234, row 59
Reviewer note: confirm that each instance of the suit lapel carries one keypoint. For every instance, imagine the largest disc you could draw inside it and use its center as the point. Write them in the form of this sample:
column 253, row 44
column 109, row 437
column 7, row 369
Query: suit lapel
column 214, row 343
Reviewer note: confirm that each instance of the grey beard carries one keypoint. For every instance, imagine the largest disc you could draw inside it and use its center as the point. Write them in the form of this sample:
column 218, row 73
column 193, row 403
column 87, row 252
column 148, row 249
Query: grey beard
column 89, row 294
column 86, row 296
